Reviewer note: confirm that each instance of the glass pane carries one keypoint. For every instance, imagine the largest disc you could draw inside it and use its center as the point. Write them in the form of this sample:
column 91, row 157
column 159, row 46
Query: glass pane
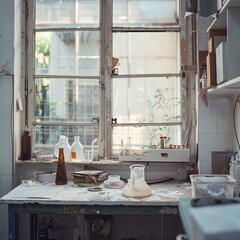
column 67, row 12
column 150, row 100
column 147, row 53
column 46, row 137
column 139, row 139
column 67, row 53
column 66, row 99
column 145, row 13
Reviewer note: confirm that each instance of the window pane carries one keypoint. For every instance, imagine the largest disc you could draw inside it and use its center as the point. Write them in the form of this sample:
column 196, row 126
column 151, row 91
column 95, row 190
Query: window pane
column 46, row 137
column 66, row 99
column 145, row 12
column 146, row 100
column 144, row 137
column 147, row 53
column 57, row 12
column 67, row 53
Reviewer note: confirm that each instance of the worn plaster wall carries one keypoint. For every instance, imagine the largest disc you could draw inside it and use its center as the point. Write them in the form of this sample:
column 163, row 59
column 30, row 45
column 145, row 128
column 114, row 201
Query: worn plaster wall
column 10, row 45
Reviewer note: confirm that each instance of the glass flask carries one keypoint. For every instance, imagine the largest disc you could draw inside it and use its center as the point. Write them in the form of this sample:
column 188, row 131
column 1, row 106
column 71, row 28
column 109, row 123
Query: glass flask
column 59, row 145
column 77, row 149
column 137, row 186
column 66, row 150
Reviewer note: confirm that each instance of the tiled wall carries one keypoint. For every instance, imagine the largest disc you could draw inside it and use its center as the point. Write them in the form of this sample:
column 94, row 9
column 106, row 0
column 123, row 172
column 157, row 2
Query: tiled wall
column 215, row 128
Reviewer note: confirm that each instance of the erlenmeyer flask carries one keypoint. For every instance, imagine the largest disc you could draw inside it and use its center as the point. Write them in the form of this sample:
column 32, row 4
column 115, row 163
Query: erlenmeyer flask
column 137, row 186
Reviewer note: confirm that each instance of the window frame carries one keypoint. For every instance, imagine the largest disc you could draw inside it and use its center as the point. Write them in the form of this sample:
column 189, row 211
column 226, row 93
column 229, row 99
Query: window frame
column 105, row 123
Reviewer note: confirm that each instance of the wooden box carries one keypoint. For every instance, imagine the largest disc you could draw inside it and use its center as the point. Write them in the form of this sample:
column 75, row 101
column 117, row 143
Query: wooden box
column 211, row 69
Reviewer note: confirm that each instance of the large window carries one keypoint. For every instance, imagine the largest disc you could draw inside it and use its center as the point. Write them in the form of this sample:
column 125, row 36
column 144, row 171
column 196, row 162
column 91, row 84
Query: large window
column 74, row 47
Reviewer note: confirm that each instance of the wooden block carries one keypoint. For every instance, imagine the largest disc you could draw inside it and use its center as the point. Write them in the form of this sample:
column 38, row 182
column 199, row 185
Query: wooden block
column 217, row 32
column 211, row 69
column 214, row 42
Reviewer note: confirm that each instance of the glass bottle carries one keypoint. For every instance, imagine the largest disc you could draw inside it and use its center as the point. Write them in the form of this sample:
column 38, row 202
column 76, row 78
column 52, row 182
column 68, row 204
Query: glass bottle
column 203, row 79
column 59, row 145
column 77, row 149
column 61, row 175
column 66, row 150
column 26, row 147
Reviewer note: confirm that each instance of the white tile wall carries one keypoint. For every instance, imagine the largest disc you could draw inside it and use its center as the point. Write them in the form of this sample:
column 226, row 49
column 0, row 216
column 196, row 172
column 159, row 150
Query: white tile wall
column 215, row 134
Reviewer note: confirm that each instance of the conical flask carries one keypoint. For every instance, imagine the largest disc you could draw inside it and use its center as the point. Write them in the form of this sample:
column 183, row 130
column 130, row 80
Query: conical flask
column 137, row 186
column 61, row 175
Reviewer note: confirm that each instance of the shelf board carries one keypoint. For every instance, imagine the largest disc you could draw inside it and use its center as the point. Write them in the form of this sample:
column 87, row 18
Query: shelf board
column 229, row 87
column 220, row 21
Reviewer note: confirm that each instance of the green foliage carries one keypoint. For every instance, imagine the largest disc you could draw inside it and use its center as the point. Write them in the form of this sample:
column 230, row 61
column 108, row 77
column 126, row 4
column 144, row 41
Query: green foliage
column 166, row 105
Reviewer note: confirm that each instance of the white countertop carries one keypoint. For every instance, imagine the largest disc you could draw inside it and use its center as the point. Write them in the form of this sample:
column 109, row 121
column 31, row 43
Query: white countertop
column 165, row 193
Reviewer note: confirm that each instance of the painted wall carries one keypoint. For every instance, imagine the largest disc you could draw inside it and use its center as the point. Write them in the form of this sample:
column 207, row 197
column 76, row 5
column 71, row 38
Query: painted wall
column 10, row 89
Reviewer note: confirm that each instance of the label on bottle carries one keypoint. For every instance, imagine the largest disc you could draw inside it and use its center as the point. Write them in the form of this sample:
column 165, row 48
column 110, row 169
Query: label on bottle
column 73, row 155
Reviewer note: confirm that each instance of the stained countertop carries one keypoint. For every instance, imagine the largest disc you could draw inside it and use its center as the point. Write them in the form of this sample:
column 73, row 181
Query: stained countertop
column 165, row 193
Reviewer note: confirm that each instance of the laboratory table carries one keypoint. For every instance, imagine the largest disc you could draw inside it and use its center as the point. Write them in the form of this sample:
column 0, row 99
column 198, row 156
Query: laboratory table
column 36, row 198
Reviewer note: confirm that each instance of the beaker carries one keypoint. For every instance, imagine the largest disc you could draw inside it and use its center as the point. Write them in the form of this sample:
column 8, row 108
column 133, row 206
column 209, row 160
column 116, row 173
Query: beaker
column 137, row 186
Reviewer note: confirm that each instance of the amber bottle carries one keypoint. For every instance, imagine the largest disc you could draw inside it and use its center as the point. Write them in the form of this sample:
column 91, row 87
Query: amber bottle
column 26, row 150
column 61, row 175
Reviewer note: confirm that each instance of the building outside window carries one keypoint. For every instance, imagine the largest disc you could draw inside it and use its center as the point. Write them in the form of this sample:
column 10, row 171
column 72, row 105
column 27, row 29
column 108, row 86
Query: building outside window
column 106, row 70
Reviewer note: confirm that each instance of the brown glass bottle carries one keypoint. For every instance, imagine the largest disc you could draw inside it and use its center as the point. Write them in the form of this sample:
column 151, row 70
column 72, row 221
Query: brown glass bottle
column 26, row 149
column 61, row 176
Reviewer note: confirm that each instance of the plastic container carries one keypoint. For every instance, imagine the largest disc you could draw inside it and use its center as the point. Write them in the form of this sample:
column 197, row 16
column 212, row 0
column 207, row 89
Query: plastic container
column 213, row 185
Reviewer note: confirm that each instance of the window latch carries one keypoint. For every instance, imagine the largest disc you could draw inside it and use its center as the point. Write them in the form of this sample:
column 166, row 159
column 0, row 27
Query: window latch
column 114, row 120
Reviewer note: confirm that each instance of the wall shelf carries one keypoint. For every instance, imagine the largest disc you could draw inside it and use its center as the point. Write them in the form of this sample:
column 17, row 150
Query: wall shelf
column 220, row 22
column 227, row 88
column 228, row 18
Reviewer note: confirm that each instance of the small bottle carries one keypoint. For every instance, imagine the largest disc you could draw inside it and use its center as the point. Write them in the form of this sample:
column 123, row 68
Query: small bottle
column 203, row 79
column 162, row 142
column 59, row 145
column 66, row 150
column 61, row 175
column 26, row 145
column 50, row 231
column 77, row 149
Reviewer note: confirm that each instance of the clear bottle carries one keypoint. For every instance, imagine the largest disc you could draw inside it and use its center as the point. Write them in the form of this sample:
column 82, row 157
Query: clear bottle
column 203, row 79
column 61, row 175
column 26, row 145
column 59, row 145
column 77, row 149
column 67, row 150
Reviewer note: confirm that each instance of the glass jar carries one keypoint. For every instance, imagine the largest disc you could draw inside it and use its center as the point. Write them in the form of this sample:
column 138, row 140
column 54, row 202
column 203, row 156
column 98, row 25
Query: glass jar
column 113, row 181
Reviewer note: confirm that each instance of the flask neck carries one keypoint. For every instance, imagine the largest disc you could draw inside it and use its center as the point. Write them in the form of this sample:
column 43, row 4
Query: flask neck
column 61, row 155
column 77, row 139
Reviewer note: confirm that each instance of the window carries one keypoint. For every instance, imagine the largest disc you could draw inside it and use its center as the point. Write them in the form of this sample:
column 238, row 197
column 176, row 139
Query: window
column 105, row 69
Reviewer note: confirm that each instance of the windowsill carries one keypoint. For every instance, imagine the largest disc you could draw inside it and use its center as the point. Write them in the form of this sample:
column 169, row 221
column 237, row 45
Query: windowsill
column 80, row 162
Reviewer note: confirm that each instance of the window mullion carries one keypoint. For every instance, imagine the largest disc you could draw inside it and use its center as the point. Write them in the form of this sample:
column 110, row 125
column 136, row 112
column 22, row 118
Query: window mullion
column 105, row 143
column 29, row 66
